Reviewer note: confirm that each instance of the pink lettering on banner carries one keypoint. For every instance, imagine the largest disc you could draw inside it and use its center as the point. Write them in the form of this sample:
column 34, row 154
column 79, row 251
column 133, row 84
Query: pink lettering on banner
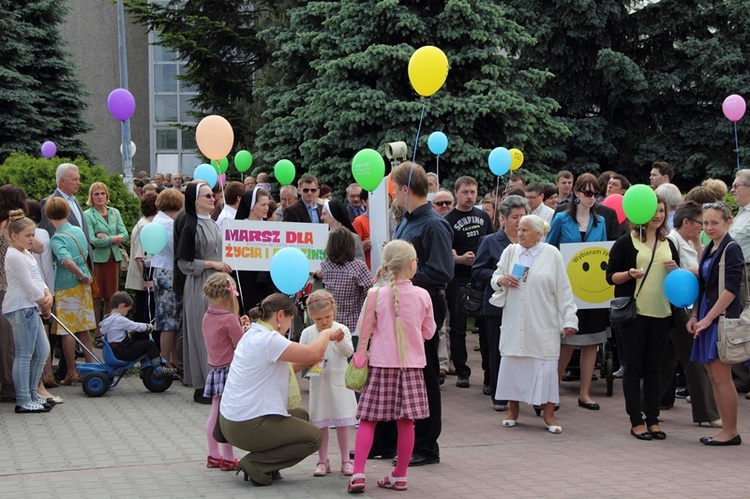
column 253, row 236
column 299, row 237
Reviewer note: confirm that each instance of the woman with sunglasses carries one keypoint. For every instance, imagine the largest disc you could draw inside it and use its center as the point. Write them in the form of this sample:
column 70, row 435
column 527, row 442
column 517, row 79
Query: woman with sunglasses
column 639, row 262
column 198, row 256
column 581, row 224
column 711, row 303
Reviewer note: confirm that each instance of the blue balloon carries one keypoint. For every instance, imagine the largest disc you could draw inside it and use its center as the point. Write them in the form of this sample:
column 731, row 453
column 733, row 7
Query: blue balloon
column 289, row 270
column 206, row 172
column 153, row 238
column 500, row 161
column 681, row 288
column 437, row 142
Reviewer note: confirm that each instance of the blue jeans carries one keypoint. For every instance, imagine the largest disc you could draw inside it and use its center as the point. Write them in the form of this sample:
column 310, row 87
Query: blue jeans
column 32, row 350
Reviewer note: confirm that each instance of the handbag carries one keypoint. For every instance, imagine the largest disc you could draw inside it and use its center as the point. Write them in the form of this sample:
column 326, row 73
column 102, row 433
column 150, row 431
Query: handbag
column 622, row 310
column 734, row 334
column 471, row 300
column 498, row 297
column 125, row 260
column 355, row 377
column 94, row 285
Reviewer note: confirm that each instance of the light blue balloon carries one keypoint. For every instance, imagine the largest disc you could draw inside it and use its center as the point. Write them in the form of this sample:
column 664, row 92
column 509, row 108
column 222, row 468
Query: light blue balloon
column 500, row 160
column 681, row 288
column 206, row 172
column 437, row 142
column 289, row 270
column 153, row 238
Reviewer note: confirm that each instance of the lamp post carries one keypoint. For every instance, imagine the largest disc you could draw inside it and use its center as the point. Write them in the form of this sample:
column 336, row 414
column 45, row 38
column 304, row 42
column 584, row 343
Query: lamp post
column 127, row 165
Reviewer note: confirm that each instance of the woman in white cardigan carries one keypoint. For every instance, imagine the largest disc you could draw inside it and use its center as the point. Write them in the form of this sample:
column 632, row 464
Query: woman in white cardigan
column 532, row 286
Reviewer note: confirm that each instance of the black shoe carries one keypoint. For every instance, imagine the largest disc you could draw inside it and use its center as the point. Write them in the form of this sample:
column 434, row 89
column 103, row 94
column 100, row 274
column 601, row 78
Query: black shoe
column 200, row 399
column 569, row 376
column 418, row 460
column 463, row 382
column 732, row 441
column 658, row 435
column 593, row 406
column 682, row 393
column 641, row 436
column 501, row 406
column 487, row 390
column 31, row 408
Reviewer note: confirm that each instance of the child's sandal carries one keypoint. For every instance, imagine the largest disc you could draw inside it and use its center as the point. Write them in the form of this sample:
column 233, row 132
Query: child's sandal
column 356, row 483
column 212, row 462
column 392, row 482
column 347, row 469
column 322, row 469
column 229, row 465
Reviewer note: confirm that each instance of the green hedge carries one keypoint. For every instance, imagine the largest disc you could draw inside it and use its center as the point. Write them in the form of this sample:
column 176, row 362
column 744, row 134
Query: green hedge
column 36, row 176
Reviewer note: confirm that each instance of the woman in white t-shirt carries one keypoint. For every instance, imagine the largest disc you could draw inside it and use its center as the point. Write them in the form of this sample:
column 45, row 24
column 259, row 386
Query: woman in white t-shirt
column 257, row 402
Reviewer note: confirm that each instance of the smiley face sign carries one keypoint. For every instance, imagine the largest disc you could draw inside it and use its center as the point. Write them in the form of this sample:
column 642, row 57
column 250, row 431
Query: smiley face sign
column 586, row 266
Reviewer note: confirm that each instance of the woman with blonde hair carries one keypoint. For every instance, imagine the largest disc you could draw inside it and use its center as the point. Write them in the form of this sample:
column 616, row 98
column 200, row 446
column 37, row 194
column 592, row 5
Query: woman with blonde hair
column 106, row 233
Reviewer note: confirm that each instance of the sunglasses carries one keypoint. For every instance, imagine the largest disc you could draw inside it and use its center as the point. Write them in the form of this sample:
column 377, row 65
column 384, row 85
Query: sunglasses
column 699, row 222
column 443, row 203
column 715, row 206
column 208, row 196
column 309, row 189
column 588, row 194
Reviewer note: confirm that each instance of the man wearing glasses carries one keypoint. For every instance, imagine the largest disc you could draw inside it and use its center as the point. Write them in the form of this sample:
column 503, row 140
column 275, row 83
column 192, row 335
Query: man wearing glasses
column 535, row 198
column 306, row 209
column 442, row 203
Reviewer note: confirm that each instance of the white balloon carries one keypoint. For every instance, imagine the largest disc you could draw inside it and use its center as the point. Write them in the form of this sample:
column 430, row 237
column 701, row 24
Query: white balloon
column 132, row 149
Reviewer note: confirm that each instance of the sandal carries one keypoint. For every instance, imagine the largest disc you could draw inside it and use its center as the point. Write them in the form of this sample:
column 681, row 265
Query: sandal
column 392, row 482
column 229, row 465
column 212, row 462
column 322, row 469
column 347, row 469
column 356, row 483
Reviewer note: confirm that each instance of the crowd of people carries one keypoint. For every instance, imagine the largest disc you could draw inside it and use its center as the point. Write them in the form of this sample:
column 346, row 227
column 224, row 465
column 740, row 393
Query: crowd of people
column 240, row 357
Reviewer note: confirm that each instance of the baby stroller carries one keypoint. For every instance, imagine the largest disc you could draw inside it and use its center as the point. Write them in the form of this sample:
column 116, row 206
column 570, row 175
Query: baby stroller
column 100, row 377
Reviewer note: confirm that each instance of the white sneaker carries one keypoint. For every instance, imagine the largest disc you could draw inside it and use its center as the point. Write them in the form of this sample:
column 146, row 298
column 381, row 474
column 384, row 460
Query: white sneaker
column 619, row 373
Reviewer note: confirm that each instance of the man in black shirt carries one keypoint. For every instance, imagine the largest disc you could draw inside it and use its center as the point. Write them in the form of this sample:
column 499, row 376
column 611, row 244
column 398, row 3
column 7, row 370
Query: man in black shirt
column 469, row 225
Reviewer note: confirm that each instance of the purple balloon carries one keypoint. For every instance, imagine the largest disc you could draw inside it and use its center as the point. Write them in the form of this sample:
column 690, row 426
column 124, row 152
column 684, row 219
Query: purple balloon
column 49, row 149
column 734, row 107
column 121, row 104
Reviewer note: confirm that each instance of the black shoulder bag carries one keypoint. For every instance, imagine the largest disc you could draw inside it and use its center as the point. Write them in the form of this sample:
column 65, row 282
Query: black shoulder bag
column 622, row 309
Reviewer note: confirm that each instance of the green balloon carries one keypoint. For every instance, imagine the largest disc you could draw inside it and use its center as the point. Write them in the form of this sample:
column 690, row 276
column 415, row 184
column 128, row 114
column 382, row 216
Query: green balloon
column 368, row 168
column 221, row 166
column 639, row 204
column 243, row 160
column 284, row 171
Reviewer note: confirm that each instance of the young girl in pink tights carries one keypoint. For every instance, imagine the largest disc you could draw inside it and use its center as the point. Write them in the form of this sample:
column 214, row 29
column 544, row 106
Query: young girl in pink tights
column 222, row 331
column 395, row 387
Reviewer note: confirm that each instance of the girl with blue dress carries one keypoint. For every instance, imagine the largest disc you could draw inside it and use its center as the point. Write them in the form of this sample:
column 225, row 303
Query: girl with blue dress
column 711, row 303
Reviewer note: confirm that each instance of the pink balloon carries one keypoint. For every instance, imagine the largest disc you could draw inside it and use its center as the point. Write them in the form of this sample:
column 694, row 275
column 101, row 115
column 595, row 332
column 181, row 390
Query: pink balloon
column 49, row 149
column 734, row 107
column 222, row 179
column 121, row 104
column 614, row 201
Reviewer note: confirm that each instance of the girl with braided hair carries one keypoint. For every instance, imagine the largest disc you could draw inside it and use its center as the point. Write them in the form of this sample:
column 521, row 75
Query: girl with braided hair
column 395, row 388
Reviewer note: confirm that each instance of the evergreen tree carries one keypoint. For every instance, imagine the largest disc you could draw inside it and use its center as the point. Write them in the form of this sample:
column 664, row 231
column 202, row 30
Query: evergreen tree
column 40, row 98
column 343, row 86
column 218, row 40
column 641, row 81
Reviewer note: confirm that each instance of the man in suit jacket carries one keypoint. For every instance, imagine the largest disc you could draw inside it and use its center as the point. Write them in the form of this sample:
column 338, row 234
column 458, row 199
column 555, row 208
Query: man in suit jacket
column 306, row 209
column 355, row 207
column 68, row 182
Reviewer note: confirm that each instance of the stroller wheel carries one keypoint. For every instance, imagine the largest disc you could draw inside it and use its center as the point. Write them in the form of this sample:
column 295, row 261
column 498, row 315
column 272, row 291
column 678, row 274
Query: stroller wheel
column 95, row 384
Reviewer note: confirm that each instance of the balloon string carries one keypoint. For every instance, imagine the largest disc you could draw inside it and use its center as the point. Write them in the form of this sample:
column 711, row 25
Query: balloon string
column 414, row 157
column 736, row 145
column 437, row 168
column 497, row 196
column 242, row 298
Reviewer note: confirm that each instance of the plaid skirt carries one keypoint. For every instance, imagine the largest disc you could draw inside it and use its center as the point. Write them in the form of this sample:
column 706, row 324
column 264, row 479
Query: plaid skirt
column 392, row 393
column 215, row 380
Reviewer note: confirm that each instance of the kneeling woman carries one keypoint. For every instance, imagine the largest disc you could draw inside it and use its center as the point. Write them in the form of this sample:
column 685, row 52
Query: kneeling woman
column 538, row 307
column 253, row 412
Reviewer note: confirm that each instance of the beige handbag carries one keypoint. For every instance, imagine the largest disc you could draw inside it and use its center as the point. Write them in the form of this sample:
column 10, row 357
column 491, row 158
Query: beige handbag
column 734, row 334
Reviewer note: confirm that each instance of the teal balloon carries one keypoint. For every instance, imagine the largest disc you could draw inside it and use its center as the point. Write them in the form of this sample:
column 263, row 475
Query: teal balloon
column 681, row 288
column 284, row 171
column 220, row 166
column 289, row 270
column 437, row 142
column 206, row 172
column 368, row 168
column 243, row 160
column 639, row 204
column 500, row 160
column 153, row 238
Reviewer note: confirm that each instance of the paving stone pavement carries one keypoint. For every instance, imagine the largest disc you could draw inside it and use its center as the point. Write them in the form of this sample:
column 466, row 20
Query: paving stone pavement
column 132, row 442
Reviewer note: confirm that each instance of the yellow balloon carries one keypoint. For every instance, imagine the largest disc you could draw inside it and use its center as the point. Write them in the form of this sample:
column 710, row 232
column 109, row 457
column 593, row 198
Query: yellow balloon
column 428, row 69
column 516, row 159
column 215, row 137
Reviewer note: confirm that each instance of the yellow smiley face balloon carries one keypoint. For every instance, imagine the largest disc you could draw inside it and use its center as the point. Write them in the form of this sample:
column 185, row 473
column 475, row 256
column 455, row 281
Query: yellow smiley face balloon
column 587, row 273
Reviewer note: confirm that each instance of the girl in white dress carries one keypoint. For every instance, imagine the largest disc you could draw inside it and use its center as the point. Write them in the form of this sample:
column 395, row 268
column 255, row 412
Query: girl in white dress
column 332, row 404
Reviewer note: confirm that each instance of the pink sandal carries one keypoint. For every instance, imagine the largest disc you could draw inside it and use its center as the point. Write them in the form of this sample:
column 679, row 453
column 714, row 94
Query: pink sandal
column 347, row 469
column 322, row 469
column 392, row 482
column 356, row 483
